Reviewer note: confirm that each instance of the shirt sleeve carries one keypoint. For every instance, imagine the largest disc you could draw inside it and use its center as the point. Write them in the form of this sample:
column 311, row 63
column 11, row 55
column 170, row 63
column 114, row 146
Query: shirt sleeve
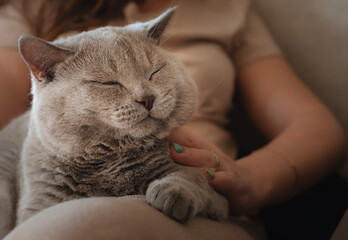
column 11, row 26
column 253, row 42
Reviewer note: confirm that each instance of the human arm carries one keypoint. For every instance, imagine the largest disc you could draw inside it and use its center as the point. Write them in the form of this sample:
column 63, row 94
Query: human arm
column 302, row 129
column 14, row 85
column 305, row 140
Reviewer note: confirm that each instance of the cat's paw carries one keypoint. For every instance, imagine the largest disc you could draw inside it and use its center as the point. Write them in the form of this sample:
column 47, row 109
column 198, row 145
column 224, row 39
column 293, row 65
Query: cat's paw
column 218, row 209
column 173, row 200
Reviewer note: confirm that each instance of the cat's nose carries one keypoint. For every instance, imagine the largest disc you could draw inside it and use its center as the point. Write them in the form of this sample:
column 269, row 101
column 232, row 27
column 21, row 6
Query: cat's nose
column 146, row 101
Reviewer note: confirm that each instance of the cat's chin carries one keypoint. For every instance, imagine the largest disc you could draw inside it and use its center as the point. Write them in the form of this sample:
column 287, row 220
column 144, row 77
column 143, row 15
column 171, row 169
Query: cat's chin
column 149, row 126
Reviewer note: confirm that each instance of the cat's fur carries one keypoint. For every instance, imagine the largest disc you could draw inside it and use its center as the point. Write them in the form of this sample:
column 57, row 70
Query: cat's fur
column 103, row 103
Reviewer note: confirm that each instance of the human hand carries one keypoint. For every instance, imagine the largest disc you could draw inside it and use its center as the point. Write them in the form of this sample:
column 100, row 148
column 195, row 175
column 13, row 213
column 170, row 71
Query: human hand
column 228, row 178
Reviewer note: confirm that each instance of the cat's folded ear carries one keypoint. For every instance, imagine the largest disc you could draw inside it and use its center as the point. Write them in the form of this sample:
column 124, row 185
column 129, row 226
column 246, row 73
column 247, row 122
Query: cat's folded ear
column 156, row 27
column 41, row 56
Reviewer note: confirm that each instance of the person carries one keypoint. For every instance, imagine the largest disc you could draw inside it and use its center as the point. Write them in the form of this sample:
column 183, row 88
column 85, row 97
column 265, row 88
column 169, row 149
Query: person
column 225, row 47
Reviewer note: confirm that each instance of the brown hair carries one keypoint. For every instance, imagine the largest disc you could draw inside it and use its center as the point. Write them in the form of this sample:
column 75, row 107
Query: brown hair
column 66, row 15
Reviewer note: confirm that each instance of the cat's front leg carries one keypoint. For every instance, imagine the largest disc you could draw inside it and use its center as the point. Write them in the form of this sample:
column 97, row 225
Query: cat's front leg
column 36, row 196
column 25, row 213
column 11, row 140
column 31, row 204
column 28, row 206
column 6, row 208
column 183, row 194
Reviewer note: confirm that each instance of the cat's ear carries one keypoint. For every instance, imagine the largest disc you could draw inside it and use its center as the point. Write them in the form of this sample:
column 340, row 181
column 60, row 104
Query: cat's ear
column 41, row 56
column 156, row 27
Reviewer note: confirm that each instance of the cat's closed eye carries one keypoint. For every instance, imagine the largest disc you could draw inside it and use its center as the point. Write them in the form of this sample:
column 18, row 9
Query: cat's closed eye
column 159, row 69
column 105, row 83
column 111, row 83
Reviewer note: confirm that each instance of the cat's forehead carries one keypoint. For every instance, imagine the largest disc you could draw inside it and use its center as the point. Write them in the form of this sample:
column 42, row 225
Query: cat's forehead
column 117, row 44
column 113, row 52
column 108, row 39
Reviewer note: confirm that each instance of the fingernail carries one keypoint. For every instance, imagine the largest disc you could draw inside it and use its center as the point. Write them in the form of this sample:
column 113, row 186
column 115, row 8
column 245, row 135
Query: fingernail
column 211, row 174
column 178, row 148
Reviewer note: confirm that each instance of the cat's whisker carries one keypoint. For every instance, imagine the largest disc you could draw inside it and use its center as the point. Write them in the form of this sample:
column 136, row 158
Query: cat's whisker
column 167, row 38
column 124, row 53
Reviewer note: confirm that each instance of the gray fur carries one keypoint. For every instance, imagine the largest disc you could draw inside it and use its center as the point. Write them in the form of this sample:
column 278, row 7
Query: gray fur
column 89, row 136
column 11, row 141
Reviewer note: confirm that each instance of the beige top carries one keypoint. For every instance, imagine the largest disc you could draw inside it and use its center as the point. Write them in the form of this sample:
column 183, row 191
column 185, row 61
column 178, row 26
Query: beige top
column 212, row 38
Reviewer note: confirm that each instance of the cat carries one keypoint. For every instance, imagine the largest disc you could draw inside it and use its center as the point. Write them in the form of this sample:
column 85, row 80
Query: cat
column 104, row 102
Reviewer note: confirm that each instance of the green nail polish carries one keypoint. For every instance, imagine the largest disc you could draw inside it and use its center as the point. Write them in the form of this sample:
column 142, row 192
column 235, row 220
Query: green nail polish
column 211, row 174
column 178, row 148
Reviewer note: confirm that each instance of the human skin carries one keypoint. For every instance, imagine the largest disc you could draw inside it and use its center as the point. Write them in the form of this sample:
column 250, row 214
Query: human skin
column 306, row 141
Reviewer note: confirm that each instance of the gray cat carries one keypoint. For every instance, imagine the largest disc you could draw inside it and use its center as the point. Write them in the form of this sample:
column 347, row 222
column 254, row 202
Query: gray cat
column 103, row 103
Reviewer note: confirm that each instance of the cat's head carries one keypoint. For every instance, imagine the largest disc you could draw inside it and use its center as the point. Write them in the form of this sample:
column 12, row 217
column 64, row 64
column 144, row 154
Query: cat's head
column 113, row 81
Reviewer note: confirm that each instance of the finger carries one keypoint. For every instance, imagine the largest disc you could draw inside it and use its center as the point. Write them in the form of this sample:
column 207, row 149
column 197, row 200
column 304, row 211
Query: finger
column 185, row 137
column 193, row 156
column 221, row 181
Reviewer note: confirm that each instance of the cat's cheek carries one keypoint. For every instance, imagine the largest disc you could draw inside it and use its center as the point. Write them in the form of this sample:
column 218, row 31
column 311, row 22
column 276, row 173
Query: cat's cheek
column 123, row 119
column 160, row 114
column 150, row 126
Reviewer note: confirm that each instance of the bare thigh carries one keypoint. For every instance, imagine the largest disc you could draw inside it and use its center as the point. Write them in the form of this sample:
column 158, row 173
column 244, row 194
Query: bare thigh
column 125, row 218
